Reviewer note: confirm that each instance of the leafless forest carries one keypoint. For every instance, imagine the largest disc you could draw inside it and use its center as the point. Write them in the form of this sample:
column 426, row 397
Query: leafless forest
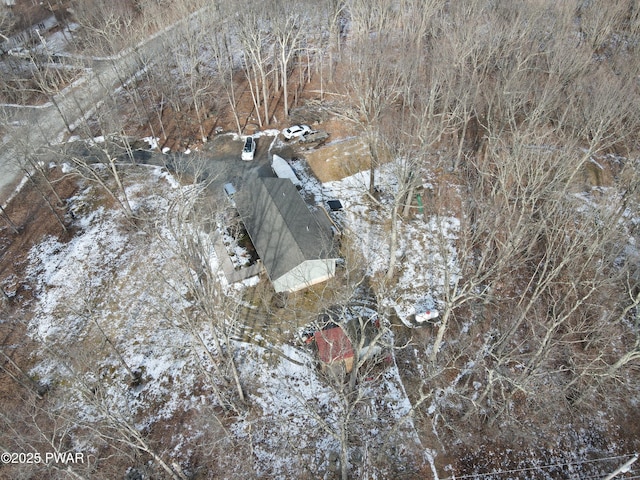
column 520, row 119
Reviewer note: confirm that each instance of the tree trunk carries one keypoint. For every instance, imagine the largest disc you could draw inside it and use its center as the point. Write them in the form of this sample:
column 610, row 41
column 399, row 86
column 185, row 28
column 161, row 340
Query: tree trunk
column 344, row 442
column 393, row 242
column 285, row 89
column 440, row 336
column 13, row 226
column 373, row 151
column 265, row 96
column 116, row 177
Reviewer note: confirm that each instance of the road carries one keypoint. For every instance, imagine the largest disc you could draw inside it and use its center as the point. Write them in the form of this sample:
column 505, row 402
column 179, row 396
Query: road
column 34, row 127
column 31, row 127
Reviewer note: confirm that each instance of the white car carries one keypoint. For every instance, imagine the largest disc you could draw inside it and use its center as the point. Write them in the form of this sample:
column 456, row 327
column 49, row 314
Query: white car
column 296, row 131
column 249, row 149
column 426, row 316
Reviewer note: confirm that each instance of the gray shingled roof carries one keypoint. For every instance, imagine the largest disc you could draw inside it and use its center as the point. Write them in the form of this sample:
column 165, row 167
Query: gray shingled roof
column 283, row 230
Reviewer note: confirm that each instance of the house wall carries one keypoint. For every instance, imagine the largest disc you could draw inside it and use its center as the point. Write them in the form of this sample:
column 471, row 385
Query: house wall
column 306, row 274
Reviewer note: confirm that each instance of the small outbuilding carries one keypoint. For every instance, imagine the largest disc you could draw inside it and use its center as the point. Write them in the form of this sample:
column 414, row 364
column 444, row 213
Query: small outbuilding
column 229, row 189
column 294, row 243
column 334, row 348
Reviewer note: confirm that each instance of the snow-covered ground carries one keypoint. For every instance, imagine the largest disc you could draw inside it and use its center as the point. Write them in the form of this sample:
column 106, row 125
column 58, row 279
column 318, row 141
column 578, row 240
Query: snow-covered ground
column 109, row 316
column 109, row 303
column 426, row 243
column 106, row 289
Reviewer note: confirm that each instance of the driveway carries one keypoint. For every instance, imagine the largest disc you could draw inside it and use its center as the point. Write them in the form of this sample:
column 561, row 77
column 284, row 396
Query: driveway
column 223, row 163
column 218, row 162
column 34, row 126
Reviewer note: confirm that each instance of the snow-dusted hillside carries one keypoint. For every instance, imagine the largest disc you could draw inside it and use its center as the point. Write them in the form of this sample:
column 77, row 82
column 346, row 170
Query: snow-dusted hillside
column 121, row 354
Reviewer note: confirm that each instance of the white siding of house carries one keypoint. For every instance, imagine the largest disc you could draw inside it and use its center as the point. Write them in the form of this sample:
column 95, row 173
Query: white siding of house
column 306, row 274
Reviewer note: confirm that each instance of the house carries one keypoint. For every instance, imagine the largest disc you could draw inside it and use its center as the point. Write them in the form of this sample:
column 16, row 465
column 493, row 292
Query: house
column 334, row 348
column 295, row 244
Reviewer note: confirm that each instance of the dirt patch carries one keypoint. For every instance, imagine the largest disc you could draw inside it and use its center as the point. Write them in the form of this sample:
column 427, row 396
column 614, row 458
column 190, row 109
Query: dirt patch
column 338, row 160
column 27, row 221
column 20, row 231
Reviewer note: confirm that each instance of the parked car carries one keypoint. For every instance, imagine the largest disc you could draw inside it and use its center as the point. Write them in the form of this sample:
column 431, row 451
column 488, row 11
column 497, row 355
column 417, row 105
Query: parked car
column 426, row 316
column 296, row 131
column 230, row 190
column 249, row 149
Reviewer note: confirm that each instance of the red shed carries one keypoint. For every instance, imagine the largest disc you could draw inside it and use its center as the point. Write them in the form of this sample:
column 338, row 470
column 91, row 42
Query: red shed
column 334, row 347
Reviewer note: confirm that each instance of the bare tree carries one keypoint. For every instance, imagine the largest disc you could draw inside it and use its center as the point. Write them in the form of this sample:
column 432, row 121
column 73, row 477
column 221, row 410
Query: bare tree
column 116, row 426
column 107, row 27
column 406, row 142
column 597, row 26
column 192, row 65
column 35, row 167
column 226, row 71
column 254, row 34
column 7, row 20
column 289, row 31
column 334, row 19
column 38, row 428
column 90, row 168
column 211, row 304
column 353, row 380
column 7, row 218
column 374, row 87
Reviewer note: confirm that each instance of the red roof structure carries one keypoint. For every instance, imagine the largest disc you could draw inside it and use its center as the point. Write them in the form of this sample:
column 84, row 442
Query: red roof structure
column 333, row 345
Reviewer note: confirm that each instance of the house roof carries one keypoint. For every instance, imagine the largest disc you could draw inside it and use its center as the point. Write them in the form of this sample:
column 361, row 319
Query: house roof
column 333, row 345
column 283, row 230
column 283, row 170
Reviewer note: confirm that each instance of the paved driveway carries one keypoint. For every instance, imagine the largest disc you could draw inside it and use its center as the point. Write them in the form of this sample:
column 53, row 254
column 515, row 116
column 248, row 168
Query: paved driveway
column 223, row 164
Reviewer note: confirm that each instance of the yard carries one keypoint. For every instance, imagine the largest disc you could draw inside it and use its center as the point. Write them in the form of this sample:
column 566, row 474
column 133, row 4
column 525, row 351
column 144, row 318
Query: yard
column 515, row 217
